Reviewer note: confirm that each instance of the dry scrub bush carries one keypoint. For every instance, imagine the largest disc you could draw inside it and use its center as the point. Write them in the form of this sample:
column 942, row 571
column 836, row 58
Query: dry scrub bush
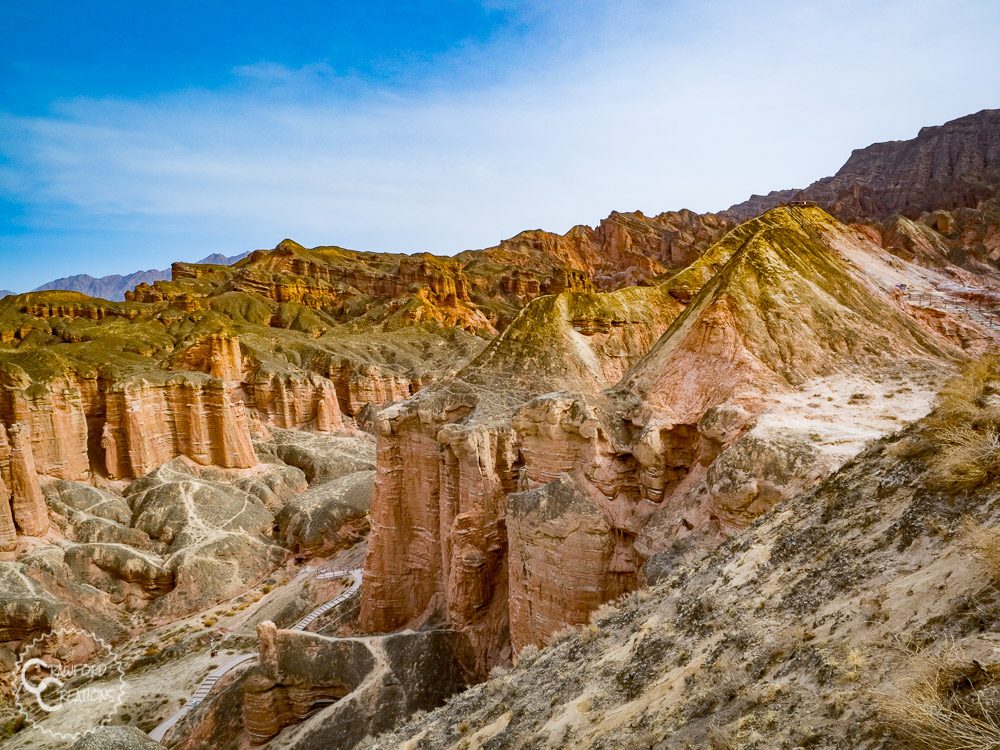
column 983, row 543
column 961, row 439
column 527, row 655
column 563, row 634
column 951, row 703
column 603, row 613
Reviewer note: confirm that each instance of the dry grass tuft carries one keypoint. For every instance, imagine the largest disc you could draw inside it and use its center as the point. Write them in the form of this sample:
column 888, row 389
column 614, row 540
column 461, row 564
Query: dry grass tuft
column 983, row 543
column 951, row 703
column 961, row 440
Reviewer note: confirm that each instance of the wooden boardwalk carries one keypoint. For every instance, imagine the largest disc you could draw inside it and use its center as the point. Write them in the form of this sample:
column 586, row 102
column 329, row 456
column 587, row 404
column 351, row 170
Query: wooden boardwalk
column 233, row 662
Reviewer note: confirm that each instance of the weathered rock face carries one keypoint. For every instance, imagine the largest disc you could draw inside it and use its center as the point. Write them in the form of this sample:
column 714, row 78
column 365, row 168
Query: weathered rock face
column 557, row 536
column 948, row 166
column 448, row 459
column 341, row 284
column 360, row 385
column 55, row 416
column 439, row 505
column 295, row 402
column 340, row 688
column 933, row 199
column 967, row 237
column 216, row 355
column 329, row 516
column 795, row 593
column 26, row 607
column 27, row 503
column 8, row 531
column 297, row 672
column 777, row 302
column 148, row 424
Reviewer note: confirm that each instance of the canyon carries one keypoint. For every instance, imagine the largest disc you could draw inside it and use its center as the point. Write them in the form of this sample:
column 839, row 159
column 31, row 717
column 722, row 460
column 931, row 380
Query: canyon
column 507, row 441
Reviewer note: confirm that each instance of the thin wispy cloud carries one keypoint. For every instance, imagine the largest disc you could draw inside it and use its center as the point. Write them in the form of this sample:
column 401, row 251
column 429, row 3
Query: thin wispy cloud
column 639, row 106
column 277, row 73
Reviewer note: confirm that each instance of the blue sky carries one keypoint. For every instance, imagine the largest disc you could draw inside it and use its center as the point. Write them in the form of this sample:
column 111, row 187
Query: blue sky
column 137, row 133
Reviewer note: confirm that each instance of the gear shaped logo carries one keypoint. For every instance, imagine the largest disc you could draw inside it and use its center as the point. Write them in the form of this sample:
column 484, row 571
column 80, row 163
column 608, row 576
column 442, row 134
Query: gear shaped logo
column 66, row 678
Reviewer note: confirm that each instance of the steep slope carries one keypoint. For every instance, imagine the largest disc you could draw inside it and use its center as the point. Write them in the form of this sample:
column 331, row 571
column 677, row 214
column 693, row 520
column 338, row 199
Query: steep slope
column 861, row 614
column 688, row 443
column 515, row 497
column 784, row 308
column 931, row 199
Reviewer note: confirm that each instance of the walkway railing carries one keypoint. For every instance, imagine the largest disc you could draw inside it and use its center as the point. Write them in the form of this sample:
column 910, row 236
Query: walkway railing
column 223, row 669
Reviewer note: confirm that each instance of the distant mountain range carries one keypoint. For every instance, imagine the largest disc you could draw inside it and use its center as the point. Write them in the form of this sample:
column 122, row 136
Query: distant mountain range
column 113, row 287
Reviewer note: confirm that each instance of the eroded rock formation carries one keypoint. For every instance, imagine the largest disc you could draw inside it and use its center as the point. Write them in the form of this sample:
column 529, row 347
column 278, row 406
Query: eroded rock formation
column 17, row 464
column 508, row 510
column 150, row 423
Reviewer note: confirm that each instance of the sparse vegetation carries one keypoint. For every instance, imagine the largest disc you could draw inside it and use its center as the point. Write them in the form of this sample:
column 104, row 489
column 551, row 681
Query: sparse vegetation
column 983, row 543
column 952, row 702
column 961, row 438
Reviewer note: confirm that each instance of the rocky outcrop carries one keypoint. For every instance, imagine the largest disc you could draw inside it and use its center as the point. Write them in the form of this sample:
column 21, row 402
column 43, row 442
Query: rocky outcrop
column 54, row 413
column 557, row 536
column 26, row 607
column 793, row 614
column 148, row 424
column 320, row 457
column 448, row 458
column 316, row 688
column 217, row 355
column 8, row 531
column 328, row 517
column 358, row 385
column 295, row 402
column 297, row 672
column 18, row 468
column 779, row 301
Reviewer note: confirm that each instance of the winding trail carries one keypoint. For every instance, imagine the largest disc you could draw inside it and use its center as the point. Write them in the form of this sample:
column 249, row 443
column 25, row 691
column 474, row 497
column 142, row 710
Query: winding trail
column 216, row 674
